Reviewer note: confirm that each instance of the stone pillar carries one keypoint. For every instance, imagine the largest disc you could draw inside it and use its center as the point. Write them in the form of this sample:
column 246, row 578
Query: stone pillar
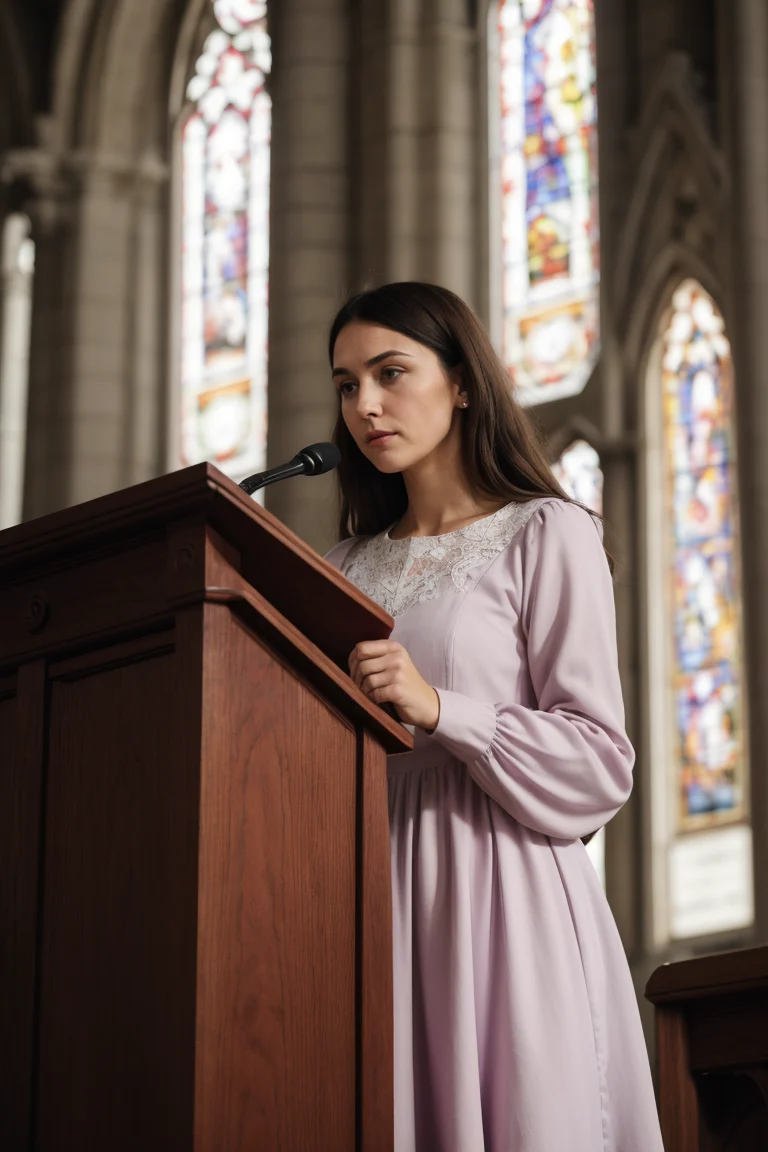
column 400, row 204
column 309, row 257
column 96, row 405
column 449, row 157
column 16, row 301
column 746, row 133
column 416, row 145
column 618, row 461
column 46, row 486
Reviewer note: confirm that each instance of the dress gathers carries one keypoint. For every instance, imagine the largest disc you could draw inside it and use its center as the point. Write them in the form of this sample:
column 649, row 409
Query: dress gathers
column 516, row 1024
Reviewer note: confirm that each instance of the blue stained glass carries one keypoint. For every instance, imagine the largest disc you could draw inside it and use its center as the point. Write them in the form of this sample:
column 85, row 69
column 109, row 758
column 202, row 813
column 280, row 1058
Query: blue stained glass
column 706, row 673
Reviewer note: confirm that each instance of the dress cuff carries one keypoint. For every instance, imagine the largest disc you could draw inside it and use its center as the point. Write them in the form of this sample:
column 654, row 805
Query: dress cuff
column 465, row 727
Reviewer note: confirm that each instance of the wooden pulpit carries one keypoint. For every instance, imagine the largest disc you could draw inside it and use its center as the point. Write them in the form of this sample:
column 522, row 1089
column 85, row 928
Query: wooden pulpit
column 195, row 915
column 712, row 1051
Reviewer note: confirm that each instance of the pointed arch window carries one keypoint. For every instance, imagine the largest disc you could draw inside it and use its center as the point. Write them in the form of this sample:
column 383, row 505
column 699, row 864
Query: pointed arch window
column 702, row 533
column 578, row 472
column 547, row 181
column 225, row 147
column 700, row 729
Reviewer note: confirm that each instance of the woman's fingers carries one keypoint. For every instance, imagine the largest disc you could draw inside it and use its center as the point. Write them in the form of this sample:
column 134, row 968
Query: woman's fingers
column 375, row 680
column 367, row 648
column 380, row 688
column 378, row 651
column 385, row 673
column 366, row 668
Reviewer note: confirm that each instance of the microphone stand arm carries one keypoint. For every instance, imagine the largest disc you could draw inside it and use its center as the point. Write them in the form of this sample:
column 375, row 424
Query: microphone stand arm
column 272, row 475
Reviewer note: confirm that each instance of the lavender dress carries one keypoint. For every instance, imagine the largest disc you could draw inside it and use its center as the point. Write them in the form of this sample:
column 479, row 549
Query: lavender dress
column 516, row 1023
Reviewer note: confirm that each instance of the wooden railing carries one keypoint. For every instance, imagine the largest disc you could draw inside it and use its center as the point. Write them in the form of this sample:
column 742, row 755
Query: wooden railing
column 712, row 1052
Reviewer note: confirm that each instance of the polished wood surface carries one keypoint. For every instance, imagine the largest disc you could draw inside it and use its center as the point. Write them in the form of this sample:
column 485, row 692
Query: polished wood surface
column 712, row 1051
column 745, row 970
column 277, row 866
column 374, row 902
column 326, row 607
column 194, row 891
column 116, row 1014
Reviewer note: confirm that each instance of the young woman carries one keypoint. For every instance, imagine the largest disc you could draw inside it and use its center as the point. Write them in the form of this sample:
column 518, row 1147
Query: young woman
column 516, row 1023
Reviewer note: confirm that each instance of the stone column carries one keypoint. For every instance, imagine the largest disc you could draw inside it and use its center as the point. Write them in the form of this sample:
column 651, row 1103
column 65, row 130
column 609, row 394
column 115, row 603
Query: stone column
column 373, row 179
column 617, row 420
column 449, row 157
column 309, row 257
column 416, row 145
column 96, row 404
column 16, row 302
column 746, row 132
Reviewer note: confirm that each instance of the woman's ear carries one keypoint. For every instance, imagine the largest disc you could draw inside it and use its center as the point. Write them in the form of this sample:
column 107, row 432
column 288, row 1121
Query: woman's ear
column 456, row 377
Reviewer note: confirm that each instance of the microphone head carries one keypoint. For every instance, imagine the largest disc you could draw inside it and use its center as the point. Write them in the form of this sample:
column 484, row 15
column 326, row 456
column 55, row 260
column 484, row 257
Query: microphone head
column 319, row 458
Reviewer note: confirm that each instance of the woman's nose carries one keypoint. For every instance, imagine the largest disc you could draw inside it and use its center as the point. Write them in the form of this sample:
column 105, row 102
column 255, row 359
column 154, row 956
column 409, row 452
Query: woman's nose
column 368, row 399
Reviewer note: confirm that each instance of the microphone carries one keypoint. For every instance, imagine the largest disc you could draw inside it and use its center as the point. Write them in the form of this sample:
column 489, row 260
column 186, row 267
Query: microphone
column 311, row 461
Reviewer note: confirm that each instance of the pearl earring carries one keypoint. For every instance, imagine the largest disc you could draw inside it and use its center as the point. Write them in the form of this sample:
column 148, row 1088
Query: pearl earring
column 464, row 405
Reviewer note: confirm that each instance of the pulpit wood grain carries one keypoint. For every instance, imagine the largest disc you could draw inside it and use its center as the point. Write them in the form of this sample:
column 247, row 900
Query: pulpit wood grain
column 376, row 1056
column 276, row 964
column 195, row 916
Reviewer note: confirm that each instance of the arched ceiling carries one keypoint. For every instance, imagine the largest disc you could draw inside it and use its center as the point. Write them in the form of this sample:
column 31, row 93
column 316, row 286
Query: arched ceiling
column 94, row 75
column 36, row 23
column 111, row 73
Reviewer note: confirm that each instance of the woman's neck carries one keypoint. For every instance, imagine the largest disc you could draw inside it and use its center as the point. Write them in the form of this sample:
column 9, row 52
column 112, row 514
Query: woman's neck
column 440, row 502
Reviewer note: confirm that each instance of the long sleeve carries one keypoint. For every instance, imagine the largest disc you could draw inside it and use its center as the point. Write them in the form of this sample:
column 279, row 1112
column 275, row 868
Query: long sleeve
column 564, row 768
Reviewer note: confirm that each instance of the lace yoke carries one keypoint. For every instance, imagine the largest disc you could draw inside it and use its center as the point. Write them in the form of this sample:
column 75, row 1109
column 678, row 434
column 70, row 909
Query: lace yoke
column 398, row 574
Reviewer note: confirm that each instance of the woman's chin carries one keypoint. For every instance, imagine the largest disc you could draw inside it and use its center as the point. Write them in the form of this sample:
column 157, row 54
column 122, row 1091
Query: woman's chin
column 385, row 459
column 387, row 466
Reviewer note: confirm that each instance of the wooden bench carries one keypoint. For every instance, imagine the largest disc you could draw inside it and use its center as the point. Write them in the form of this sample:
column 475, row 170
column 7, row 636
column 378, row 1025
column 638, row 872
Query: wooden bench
column 712, row 1051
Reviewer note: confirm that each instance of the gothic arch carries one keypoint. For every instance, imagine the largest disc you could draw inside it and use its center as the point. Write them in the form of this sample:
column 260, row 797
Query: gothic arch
column 17, row 132
column 78, row 51
column 577, row 428
column 651, row 299
column 674, row 220
column 196, row 22
column 113, row 73
column 16, row 126
column 99, row 177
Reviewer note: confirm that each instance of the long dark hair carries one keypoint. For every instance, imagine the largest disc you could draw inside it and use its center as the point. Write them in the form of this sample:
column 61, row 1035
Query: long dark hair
column 503, row 454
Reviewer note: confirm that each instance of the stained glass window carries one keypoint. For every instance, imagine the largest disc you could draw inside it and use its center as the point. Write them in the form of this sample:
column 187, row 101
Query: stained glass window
column 549, row 204
column 225, row 244
column 702, row 561
column 579, row 474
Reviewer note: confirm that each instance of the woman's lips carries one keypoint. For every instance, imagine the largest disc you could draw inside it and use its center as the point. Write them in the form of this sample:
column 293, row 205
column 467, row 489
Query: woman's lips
column 380, row 441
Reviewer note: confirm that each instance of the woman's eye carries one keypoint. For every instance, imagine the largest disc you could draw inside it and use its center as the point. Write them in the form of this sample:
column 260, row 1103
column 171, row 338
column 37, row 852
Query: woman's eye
column 391, row 373
column 345, row 384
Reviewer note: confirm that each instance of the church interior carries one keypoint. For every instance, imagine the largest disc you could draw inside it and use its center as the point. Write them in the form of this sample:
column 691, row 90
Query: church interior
column 189, row 189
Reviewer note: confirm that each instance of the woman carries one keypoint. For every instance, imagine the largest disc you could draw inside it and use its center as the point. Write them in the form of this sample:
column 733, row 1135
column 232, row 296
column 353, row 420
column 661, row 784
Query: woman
column 516, row 1024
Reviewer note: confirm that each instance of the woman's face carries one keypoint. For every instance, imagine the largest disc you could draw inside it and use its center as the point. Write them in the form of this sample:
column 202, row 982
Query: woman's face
column 392, row 385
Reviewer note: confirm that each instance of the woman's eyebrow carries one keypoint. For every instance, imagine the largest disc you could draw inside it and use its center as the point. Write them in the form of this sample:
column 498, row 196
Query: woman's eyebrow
column 370, row 363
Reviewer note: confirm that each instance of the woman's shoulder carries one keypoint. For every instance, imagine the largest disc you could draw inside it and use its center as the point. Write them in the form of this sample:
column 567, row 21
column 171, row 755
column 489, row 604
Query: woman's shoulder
column 521, row 522
column 554, row 516
column 562, row 514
